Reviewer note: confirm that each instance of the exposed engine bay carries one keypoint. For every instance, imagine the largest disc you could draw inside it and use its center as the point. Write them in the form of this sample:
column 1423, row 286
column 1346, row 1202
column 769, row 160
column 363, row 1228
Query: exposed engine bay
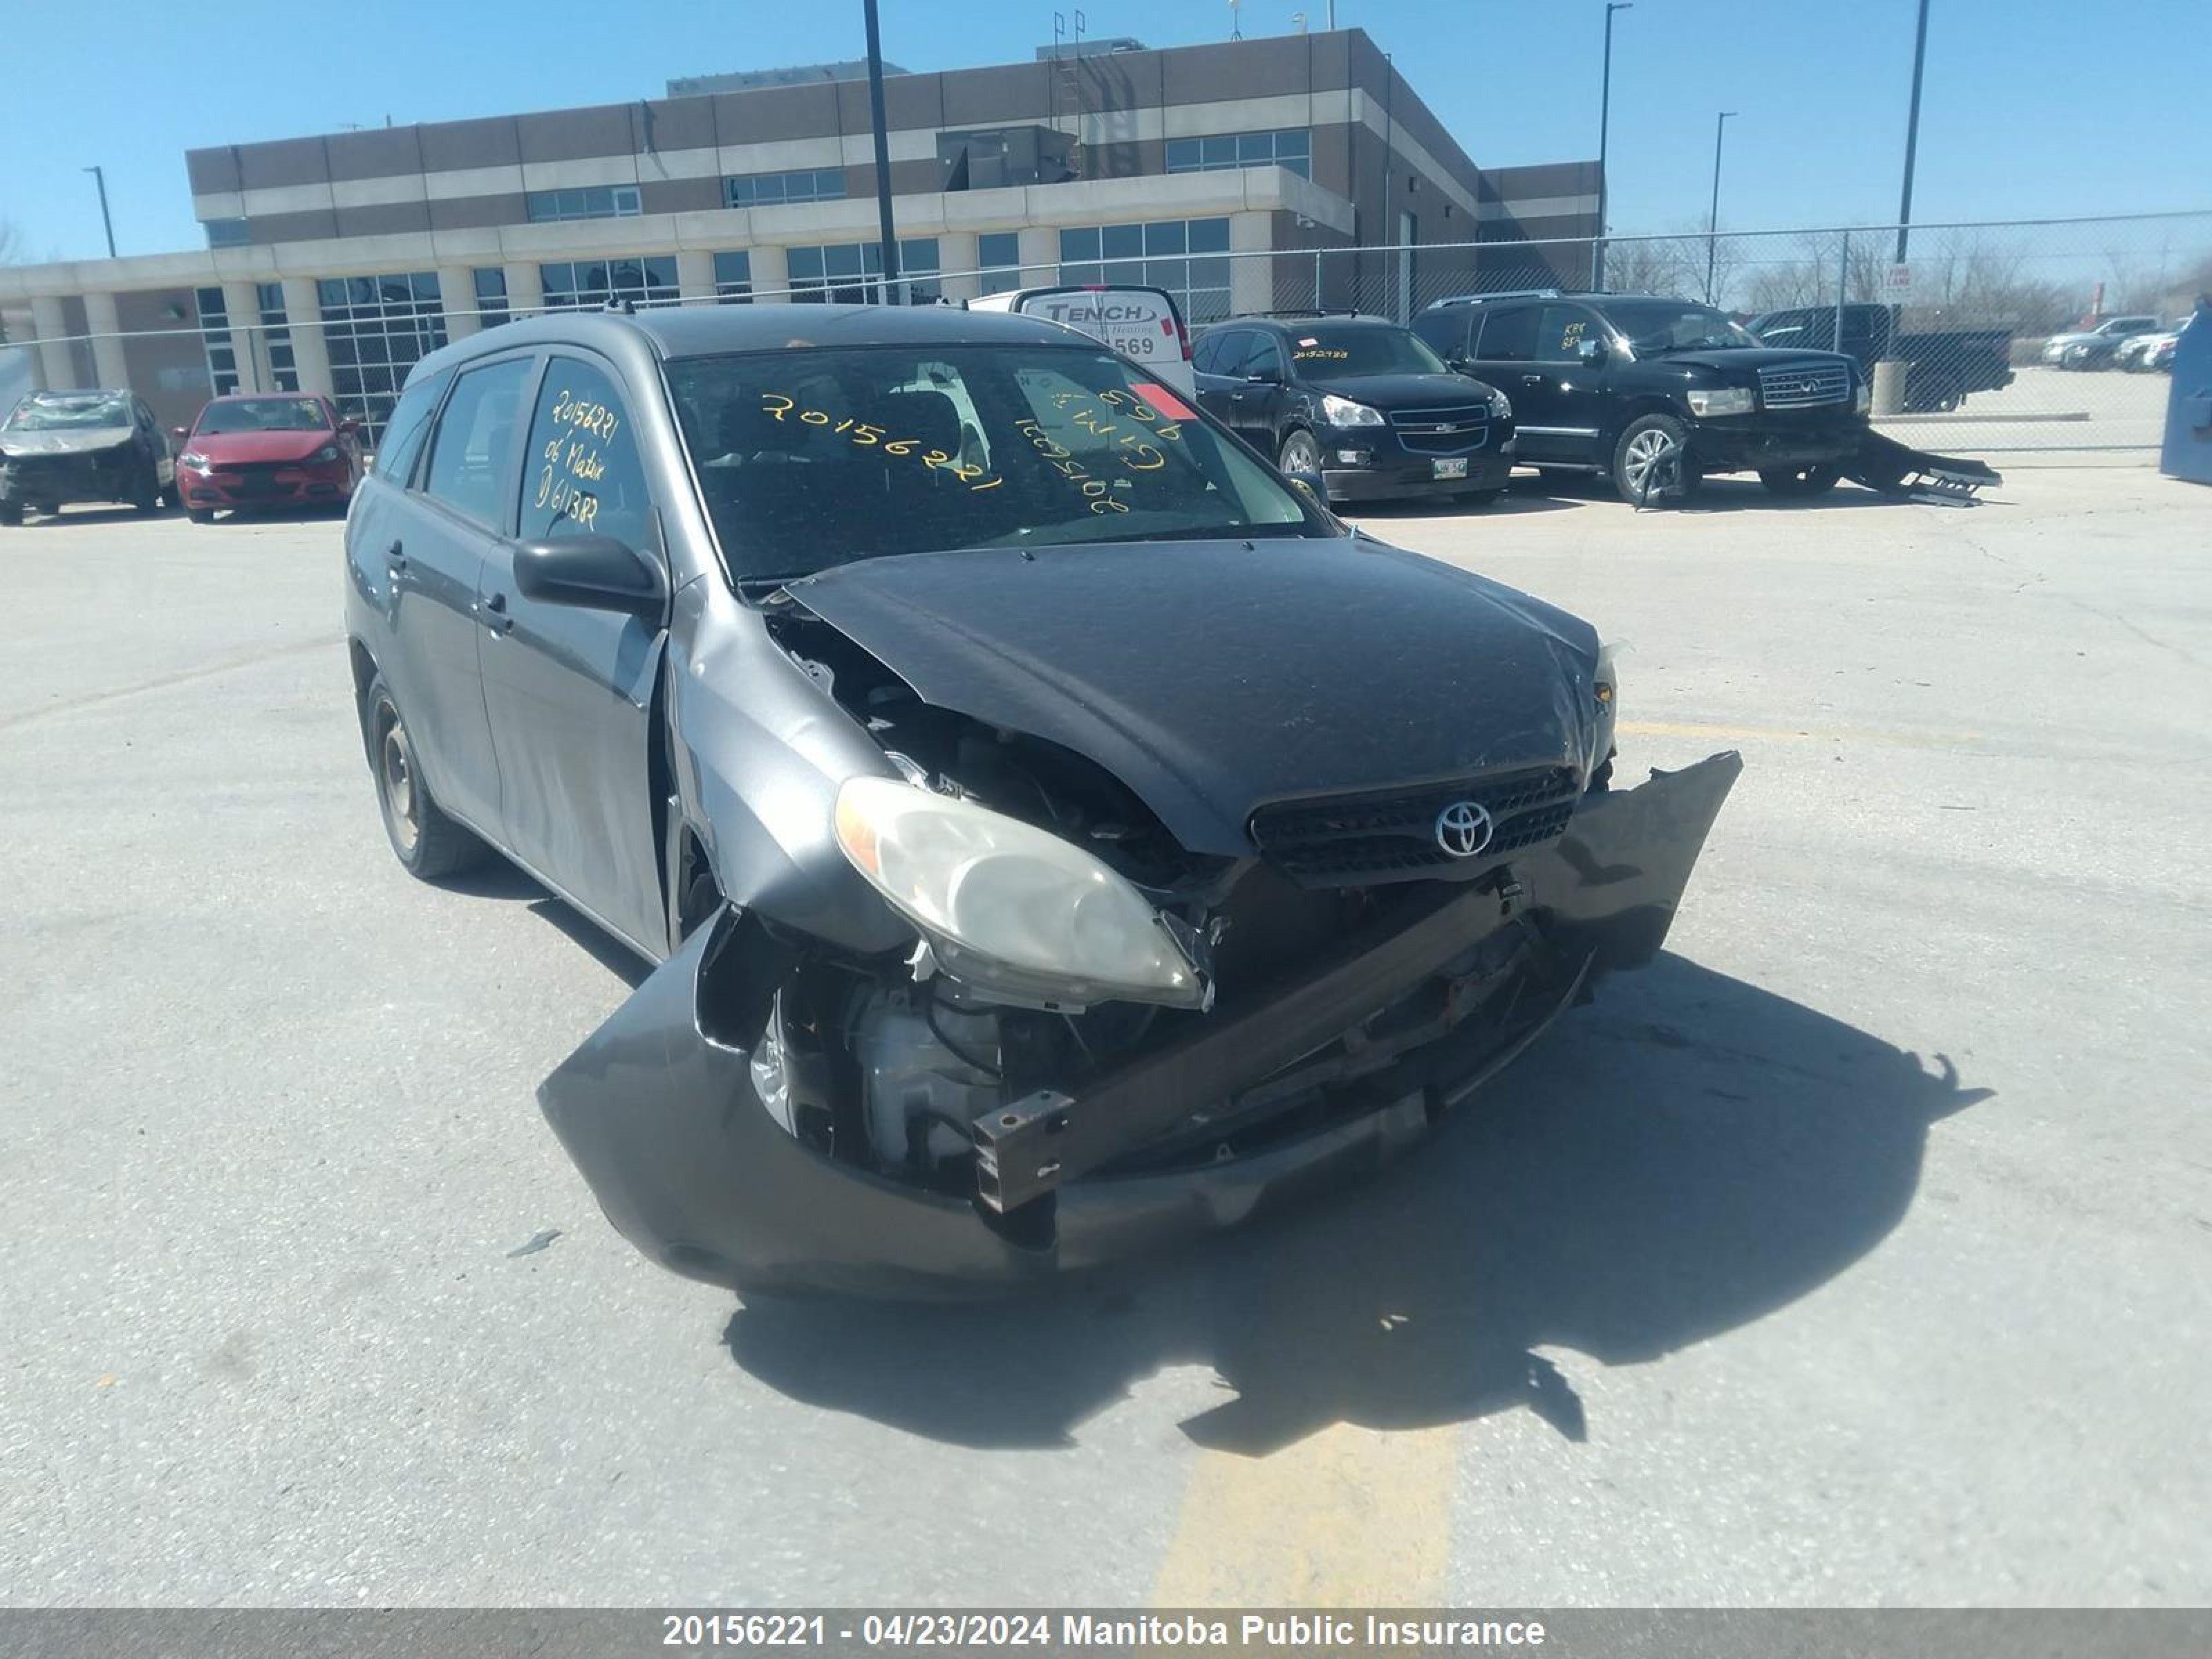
column 891, row 1066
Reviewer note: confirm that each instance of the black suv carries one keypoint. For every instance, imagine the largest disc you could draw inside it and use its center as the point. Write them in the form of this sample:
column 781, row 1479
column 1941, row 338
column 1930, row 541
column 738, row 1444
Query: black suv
column 1358, row 400
column 1655, row 392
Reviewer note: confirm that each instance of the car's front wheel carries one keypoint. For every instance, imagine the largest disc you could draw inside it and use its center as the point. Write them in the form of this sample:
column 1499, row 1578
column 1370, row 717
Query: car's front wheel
column 1652, row 459
column 11, row 512
column 1800, row 480
column 424, row 840
column 1300, row 454
column 200, row 514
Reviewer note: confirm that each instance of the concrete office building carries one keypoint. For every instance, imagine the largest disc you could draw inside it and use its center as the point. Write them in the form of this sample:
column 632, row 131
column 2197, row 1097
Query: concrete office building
column 333, row 263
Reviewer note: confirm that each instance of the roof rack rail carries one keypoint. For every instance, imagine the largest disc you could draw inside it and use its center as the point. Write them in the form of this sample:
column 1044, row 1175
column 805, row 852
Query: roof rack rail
column 1310, row 311
column 1503, row 294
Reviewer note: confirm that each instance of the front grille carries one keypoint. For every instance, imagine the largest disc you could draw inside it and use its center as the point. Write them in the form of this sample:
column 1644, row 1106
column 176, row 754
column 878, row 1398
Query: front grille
column 257, row 477
column 1360, row 840
column 1808, row 387
column 1454, row 431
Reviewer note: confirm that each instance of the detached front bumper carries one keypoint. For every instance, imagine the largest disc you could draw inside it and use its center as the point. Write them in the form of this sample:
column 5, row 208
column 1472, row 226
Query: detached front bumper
column 658, row 1110
column 1743, row 443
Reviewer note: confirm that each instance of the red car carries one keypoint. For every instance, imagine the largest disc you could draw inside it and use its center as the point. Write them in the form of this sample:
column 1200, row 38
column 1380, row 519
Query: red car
column 267, row 449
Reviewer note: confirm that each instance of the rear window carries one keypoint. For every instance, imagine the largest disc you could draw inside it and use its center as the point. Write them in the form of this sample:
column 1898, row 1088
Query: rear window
column 1137, row 322
column 808, row 458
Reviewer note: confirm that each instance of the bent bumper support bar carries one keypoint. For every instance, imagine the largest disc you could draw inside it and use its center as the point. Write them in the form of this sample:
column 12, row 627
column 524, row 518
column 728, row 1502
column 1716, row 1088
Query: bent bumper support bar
column 659, row 1111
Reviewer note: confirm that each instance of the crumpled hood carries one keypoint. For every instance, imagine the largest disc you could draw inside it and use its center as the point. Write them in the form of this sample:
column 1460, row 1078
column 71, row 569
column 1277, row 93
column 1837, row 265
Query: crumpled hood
column 230, row 449
column 1212, row 676
column 89, row 441
column 1747, row 360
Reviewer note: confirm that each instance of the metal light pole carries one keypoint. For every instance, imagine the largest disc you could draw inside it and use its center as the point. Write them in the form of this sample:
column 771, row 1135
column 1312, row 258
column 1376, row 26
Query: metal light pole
column 891, row 249
column 1912, row 133
column 1713, row 217
column 107, row 224
column 1604, row 122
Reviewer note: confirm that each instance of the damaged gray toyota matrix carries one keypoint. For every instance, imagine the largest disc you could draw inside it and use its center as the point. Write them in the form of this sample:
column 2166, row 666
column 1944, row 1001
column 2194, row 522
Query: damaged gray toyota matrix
column 1053, row 833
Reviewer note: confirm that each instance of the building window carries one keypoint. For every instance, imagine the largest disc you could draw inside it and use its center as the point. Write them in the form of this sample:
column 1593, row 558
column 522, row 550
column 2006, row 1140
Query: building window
column 548, row 207
column 1290, row 149
column 581, row 284
column 227, row 233
column 1189, row 257
column 277, row 338
column 999, row 256
column 376, row 328
column 776, row 189
column 215, row 341
column 733, row 278
column 491, row 296
column 851, row 273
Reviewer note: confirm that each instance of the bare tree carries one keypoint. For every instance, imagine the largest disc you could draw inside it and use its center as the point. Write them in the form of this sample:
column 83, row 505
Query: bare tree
column 12, row 249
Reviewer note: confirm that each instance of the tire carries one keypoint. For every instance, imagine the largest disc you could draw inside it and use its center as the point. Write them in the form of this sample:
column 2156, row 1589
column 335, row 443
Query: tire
column 427, row 843
column 11, row 513
column 1801, row 480
column 1651, row 447
column 1300, row 453
column 200, row 514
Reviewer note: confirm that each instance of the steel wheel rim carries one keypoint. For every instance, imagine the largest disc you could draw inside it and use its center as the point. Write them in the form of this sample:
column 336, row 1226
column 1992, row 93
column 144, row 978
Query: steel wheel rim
column 1645, row 451
column 395, row 771
column 1301, row 454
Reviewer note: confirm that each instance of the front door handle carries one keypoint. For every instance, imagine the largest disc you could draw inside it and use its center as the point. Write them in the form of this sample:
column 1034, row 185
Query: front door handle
column 1532, row 380
column 396, row 556
column 494, row 614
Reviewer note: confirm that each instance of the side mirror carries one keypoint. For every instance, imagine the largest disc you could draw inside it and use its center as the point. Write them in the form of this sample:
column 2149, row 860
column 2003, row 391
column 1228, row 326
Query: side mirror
column 1460, row 365
column 593, row 572
column 180, row 433
column 1312, row 486
column 349, row 426
column 1591, row 352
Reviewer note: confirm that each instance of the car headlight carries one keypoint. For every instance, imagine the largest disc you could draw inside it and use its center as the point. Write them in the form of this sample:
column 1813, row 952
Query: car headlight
column 1010, row 907
column 194, row 459
column 1719, row 400
column 1501, row 408
column 1342, row 411
column 328, row 453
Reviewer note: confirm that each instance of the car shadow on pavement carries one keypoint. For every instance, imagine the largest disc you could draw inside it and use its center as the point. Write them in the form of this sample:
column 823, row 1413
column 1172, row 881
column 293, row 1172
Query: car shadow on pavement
column 1374, row 515
column 1689, row 1155
column 496, row 879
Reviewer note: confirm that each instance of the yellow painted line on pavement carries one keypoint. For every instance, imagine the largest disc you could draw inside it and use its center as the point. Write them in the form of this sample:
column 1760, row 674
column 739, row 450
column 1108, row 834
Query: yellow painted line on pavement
column 1800, row 734
column 1345, row 1517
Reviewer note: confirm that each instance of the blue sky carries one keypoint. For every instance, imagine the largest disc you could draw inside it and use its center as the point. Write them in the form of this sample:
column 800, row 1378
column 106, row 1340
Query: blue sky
column 2032, row 108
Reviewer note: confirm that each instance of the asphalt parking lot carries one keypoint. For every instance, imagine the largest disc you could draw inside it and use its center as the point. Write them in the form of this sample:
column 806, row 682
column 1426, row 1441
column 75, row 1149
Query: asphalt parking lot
column 1857, row 1252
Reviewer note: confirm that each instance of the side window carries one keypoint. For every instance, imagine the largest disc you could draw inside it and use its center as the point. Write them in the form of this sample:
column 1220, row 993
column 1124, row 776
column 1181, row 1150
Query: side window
column 1444, row 331
column 1236, row 344
column 1560, row 331
column 403, row 432
column 583, row 477
column 1202, row 355
column 474, row 447
column 1264, row 359
column 1509, row 337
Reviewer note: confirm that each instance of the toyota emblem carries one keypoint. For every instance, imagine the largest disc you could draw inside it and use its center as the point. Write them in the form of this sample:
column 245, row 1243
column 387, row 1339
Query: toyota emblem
column 1463, row 828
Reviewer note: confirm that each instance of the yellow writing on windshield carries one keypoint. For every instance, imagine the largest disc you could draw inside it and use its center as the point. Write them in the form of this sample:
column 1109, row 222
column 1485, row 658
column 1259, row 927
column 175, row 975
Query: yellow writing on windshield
column 868, row 435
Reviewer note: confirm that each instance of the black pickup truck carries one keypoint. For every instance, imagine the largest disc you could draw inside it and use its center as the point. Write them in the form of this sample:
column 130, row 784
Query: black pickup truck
column 1946, row 364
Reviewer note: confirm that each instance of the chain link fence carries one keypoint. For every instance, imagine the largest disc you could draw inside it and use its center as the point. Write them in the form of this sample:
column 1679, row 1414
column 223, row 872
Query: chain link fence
column 1969, row 344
